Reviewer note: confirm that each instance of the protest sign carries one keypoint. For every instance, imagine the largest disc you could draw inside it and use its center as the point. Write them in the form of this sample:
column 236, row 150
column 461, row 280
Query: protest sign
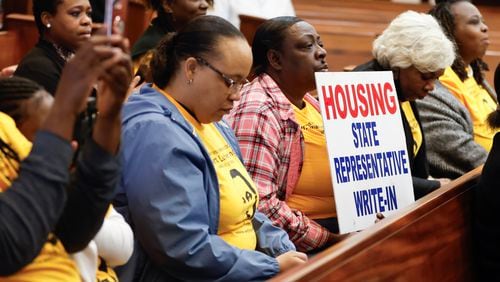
column 369, row 163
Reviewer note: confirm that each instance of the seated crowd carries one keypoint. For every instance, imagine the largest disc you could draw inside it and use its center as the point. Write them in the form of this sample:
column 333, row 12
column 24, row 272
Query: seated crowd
column 200, row 174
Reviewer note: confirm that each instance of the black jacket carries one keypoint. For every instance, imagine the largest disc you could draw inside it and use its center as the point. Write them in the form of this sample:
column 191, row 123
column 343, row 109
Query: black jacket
column 43, row 65
column 486, row 219
column 418, row 163
column 158, row 28
column 39, row 201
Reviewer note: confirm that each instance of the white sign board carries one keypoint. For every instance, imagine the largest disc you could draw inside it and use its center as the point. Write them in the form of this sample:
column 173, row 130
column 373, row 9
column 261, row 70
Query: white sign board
column 369, row 164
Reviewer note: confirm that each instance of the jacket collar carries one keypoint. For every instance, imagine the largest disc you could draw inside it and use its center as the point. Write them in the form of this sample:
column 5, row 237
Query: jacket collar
column 149, row 100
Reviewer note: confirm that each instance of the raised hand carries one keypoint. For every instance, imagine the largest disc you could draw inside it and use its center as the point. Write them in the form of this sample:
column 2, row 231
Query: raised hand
column 92, row 60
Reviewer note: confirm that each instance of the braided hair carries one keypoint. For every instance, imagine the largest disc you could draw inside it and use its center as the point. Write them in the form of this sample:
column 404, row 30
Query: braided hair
column 443, row 14
column 13, row 92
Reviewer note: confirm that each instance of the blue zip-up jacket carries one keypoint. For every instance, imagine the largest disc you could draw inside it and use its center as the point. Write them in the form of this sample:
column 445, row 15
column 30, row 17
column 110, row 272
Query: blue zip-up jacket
column 170, row 194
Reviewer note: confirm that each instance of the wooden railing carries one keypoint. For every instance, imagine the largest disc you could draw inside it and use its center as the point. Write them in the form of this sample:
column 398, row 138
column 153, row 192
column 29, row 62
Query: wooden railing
column 429, row 240
column 348, row 28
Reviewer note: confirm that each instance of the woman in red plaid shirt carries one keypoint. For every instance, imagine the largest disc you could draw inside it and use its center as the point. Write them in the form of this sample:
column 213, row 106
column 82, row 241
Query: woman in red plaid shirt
column 280, row 132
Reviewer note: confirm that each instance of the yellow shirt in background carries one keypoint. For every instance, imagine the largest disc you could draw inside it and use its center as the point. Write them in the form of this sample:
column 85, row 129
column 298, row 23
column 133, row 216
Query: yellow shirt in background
column 313, row 194
column 477, row 100
column 9, row 166
column 416, row 131
column 238, row 194
column 53, row 263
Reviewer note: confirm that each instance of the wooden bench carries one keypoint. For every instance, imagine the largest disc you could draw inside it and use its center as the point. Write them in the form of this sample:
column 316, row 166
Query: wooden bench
column 349, row 27
column 25, row 27
column 17, row 6
column 138, row 19
column 429, row 240
column 11, row 53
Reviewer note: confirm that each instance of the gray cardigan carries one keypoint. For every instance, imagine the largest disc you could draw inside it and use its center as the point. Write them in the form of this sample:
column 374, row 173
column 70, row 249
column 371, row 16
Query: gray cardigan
column 449, row 136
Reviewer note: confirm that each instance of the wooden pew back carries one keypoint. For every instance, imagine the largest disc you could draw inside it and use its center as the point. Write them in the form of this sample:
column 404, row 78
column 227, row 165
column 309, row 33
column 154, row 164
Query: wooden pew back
column 24, row 27
column 138, row 19
column 11, row 53
column 349, row 27
column 429, row 240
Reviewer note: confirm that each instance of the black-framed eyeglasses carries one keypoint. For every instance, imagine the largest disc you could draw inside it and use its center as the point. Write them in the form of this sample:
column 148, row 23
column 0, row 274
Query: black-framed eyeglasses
column 232, row 84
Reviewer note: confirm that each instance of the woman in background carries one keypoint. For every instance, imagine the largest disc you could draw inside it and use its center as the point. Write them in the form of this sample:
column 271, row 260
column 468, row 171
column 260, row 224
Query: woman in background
column 171, row 16
column 63, row 26
column 454, row 115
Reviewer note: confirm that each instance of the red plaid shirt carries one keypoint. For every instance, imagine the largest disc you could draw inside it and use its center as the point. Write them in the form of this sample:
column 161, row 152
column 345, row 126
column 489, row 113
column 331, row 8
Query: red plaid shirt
column 272, row 146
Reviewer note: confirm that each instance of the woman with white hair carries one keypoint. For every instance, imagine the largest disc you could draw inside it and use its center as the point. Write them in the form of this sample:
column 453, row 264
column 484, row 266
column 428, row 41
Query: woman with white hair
column 417, row 51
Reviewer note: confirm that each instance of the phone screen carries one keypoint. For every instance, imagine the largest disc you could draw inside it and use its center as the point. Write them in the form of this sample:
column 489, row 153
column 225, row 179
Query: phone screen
column 108, row 16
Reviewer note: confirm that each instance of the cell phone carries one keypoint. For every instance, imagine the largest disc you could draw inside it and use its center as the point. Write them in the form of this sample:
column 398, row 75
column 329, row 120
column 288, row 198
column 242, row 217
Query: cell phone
column 114, row 15
column 108, row 16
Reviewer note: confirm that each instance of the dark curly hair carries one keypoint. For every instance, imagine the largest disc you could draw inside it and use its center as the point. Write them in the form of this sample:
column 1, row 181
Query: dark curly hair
column 443, row 14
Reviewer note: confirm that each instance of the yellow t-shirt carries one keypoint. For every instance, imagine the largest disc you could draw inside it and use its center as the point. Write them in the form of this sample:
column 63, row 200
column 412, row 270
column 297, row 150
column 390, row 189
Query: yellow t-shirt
column 238, row 195
column 313, row 194
column 53, row 263
column 416, row 131
column 477, row 100
column 9, row 166
column 105, row 273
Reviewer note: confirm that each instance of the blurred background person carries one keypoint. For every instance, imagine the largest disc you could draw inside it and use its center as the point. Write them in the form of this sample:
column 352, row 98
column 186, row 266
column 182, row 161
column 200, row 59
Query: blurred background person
column 454, row 115
column 171, row 16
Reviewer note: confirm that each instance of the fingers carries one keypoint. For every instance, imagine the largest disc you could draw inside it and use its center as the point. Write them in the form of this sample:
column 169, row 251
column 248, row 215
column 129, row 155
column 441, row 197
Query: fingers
column 379, row 216
column 135, row 83
column 74, row 145
column 301, row 256
column 101, row 53
column 118, row 79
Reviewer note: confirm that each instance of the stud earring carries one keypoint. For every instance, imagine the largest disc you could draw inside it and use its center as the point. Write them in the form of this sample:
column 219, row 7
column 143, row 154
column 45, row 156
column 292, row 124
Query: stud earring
column 190, row 81
column 48, row 25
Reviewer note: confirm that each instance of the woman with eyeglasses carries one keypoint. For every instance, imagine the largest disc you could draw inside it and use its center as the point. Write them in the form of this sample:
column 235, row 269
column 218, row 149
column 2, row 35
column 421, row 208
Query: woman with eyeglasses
column 184, row 189
column 280, row 132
